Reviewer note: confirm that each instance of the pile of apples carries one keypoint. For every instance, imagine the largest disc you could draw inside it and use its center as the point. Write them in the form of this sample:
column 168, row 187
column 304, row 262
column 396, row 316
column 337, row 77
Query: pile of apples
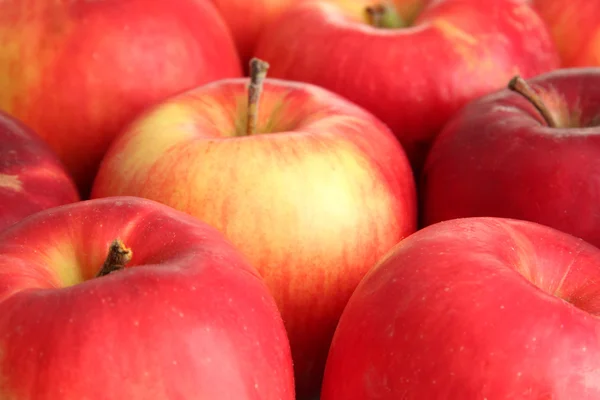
column 299, row 199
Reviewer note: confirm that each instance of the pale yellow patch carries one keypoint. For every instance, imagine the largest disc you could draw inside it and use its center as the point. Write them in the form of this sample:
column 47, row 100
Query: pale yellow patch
column 453, row 33
column 11, row 182
column 28, row 48
column 154, row 134
column 466, row 45
column 62, row 258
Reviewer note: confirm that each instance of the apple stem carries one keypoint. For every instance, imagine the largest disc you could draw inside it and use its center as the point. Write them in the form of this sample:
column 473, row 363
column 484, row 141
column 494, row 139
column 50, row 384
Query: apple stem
column 384, row 16
column 118, row 256
column 258, row 73
column 520, row 86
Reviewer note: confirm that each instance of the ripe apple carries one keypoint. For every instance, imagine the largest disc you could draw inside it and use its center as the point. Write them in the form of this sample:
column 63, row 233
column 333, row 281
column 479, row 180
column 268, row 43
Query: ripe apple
column 312, row 188
column 500, row 156
column 415, row 73
column 476, row 308
column 186, row 318
column 31, row 176
column 77, row 71
column 575, row 29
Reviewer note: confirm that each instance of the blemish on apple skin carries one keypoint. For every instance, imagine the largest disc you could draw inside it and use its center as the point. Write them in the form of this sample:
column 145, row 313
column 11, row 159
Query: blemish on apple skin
column 11, row 182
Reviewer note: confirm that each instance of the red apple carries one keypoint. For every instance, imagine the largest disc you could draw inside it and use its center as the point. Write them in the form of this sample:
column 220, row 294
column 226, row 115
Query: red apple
column 77, row 71
column 31, row 176
column 313, row 189
column 416, row 73
column 187, row 318
column 575, row 28
column 500, row 157
column 479, row 308
column 246, row 20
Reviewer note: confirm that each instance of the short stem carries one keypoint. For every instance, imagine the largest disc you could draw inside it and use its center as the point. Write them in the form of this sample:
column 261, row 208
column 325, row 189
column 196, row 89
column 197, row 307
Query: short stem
column 384, row 15
column 118, row 256
column 519, row 85
column 258, row 73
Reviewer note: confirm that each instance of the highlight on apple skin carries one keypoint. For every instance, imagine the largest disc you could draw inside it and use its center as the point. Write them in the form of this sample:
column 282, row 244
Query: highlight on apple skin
column 126, row 298
column 500, row 156
column 76, row 72
column 473, row 308
column 32, row 178
column 312, row 189
column 412, row 74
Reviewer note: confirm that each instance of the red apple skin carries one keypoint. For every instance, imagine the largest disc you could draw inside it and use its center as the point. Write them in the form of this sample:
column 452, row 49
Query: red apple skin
column 477, row 308
column 32, row 178
column 575, row 29
column 497, row 157
column 313, row 205
column 246, row 20
column 77, row 71
column 413, row 79
column 191, row 319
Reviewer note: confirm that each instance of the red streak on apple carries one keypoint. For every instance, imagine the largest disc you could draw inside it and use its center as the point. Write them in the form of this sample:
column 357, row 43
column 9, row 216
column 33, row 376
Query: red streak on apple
column 76, row 72
column 480, row 308
column 31, row 176
column 575, row 28
column 187, row 318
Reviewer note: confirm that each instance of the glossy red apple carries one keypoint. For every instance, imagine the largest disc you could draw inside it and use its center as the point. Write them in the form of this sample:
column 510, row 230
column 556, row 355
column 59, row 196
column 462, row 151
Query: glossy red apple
column 187, row 318
column 31, row 176
column 412, row 74
column 481, row 308
column 312, row 188
column 575, row 28
column 77, row 71
column 501, row 157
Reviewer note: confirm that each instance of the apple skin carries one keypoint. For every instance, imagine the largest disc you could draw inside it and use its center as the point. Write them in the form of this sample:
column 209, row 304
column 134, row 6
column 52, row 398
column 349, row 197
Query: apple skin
column 476, row 308
column 497, row 157
column 191, row 319
column 246, row 20
column 314, row 204
column 32, row 178
column 574, row 28
column 413, row 79
column 77, row 71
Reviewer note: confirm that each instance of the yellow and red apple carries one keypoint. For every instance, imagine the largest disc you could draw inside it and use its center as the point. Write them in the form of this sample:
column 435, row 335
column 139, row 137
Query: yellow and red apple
column 32, row 178
column 311, row 188
column 125, row 298
column 77, row 71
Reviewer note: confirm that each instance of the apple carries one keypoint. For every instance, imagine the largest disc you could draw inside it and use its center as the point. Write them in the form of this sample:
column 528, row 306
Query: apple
column 310, row 187
column 78, row 71
column 32, row 178
column 475, row 308
column 500, row 156
column 413, row 74
column 575, row 29
column 126, row 298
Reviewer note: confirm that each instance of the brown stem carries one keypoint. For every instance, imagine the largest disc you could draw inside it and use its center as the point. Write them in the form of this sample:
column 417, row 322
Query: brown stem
column 258, row 73
column 520, row 86
column 118, row 256
column 384, row 15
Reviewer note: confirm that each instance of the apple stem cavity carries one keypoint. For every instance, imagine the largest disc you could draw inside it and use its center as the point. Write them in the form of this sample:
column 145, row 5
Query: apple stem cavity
column 258, row 73
column 118, row 256
column 520, row 86
column 384, row 16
